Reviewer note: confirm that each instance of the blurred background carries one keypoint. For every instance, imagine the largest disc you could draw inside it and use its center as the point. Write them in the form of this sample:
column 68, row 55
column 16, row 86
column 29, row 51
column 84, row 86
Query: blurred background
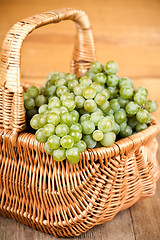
column 125, row 31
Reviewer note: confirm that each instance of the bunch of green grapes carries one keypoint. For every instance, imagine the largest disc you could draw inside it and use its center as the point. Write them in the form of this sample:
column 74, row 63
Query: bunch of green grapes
column 87, row 112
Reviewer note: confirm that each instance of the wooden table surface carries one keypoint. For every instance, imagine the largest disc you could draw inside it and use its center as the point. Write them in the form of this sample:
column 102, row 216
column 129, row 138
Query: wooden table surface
column 125, row 31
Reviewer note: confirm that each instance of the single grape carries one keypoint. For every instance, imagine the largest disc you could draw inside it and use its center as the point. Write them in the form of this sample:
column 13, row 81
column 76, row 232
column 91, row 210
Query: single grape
column 40, row 100
column 123, row 102
column 108, row 139
column 54, row 102
column 49, row 130
column 81, row 145
column 78, row 90
column 98, row 87
column 59, row 154
column 33, row 91
column 50, row 90
column 90, row 105
column 70, row 77
column 106, row 93
column 62, row 130
column 77, row 135
column 69, row 104
column 100, row 78
column 96, row 67
column 126, row 132
column 95, row 117
column 89, row 92
column 87, row 127
column 61, row 90
column 110, row 112
column 132, row 108
column 43, row 108
column 126, row 92
column 67, row 119
column 112, row 92
column 143, row 116
column 114, row 105
column 73, row 155
column 55, row 110
column 91, row 143
column 60, row 82
column 142, row 90
column 132, row 122
column 53, row 142
column 112, row 80
column 76, row 127
column 31, row 112
column 97, row 135
column 26, row 96
column 151, row 105
column 53, row 118
column 140, row 99
column 40, row 136
column 72, row 84
column 29, row 103
column 75, row 116
column 116, row 128
column 125, row 82
column 90, row 74
column 79, row 100
column 84, row 117
column 105, row 107
column 100, row 99
column 98, row 110
column 67, row 141
column 85, row 81
column 140, row 127
column 66, row 95
column 106, row 124
column 63, row 110
column 48, row 149
column 123, row 126
column 111, row 67
column 42, row 119
column 35, row 122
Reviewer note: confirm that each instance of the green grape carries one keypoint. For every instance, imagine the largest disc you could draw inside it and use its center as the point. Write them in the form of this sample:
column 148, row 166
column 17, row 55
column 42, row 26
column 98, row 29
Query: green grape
column 53, row 142
column 50, row 90
column 96, row 67
column 87, row 127
column 85, row 117
column 75, row 116
column 61, row 90
column 59, row 154
column 100, row 78
column 49, row 130
column 120, row 117
column 72, row 84
column 110, row 112
column 98, row 87
column 70, row 77
column 48, row 149
column 106, row 93
column 151, row 105
column 97, row 135
column 62, row 130
column 69, row 104
column 40, row 100
column 78, row 90
column 114, row 105
column 105, row 107
column 112, row 80
column 81, row 145
column 91, row 143
column 67, row 118
column 79, row 100
column 140, row 127
column 54, row 102
column 66, row 95
column 112, row 92
column 98, row 110
column 26, row 96
column 106, row 124
column 60, row 82
column 77, row 135
column 90, row 105
column 29, row 104
column 35, row 122
column 140, row 99
column 31, row 112
column 100, row 99
column 33, row 91
column 111, row 67
column 149, row 119
column 55, row 110
column 132, row 121
column 126, row 132
column 142, row 90
column 76, row 127
column 53, row 118
column 123, row 102
column 73, row 155
column 67, row 141
column 40, row 137
column 126, row 92
column 89, row 92
column 123, row 126
column 42, row 119
column 85, row 81
column 95, row 117
column 132, row 108
column 63, row 109
column 43, row 108
column 108, row 139
column 90, row 74
column 116, row 128
column 82, row 111
column 143, row 116
column 125, row 82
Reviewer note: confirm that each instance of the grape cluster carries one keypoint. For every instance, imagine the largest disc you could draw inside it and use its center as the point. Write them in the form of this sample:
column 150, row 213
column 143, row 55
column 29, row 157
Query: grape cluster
column 71, row 114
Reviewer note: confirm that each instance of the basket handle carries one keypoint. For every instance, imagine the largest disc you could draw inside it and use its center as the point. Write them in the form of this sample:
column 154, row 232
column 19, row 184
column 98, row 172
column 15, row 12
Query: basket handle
column 83, row 55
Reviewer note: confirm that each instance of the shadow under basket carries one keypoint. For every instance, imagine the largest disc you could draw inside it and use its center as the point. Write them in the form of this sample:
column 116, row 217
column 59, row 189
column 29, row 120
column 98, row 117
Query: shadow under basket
column 57, row 197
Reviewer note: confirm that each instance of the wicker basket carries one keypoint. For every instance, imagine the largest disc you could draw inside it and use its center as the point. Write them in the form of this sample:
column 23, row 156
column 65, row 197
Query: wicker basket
column 56, row 197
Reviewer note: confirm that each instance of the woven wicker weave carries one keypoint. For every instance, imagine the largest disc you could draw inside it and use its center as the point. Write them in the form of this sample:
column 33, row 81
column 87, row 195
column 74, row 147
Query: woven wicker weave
column 56, row 197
